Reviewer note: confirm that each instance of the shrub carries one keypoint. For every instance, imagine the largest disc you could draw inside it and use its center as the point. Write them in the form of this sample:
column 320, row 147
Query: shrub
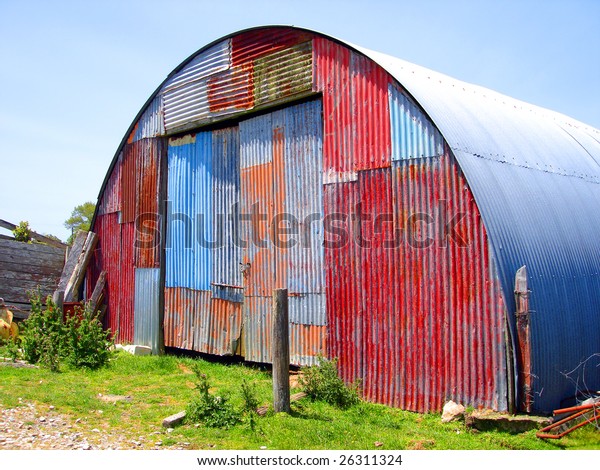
column 87, row 343
column 80, row 341
column 213, row 411
column 250, row 403
column 322, row 383
column 22, row 232
column 43, row 334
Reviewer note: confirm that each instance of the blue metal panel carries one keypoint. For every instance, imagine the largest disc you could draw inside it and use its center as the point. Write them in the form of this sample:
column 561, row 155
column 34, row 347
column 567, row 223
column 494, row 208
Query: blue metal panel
column 146, row 308
column 227, row 255
column 413, row 134
column 189, row 212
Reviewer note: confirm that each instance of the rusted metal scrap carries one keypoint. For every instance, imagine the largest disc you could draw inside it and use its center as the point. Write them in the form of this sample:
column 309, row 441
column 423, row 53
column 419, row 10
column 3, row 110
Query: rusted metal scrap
column 578, row 416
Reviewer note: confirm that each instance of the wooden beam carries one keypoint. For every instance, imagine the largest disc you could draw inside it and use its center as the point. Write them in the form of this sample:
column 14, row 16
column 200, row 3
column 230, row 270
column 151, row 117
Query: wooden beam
column 37, row 236
column 98, row 295
column 76, row 265
column 281, row 352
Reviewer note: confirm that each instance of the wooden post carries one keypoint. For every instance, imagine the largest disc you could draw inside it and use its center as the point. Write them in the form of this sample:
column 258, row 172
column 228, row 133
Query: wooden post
column 281, row 352
column 524, row 340
column 58, row 299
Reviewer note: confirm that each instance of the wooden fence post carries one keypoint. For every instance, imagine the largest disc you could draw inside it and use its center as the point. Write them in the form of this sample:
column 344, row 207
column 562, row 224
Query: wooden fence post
column 281, row 352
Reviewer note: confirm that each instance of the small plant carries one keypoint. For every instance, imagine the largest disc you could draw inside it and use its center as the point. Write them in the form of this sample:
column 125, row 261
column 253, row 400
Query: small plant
column 22, row 232
column 213, row 411
column 322, row 383
column 250, row 403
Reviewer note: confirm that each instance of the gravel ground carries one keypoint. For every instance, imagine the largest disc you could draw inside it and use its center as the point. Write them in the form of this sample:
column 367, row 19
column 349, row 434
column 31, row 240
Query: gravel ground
column 32, row 427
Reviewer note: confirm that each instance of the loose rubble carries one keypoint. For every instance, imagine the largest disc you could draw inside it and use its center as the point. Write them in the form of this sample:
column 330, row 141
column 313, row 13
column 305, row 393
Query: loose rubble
column 39, row 427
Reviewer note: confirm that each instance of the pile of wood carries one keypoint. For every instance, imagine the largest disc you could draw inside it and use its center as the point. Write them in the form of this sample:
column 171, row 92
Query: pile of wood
column 74, row 271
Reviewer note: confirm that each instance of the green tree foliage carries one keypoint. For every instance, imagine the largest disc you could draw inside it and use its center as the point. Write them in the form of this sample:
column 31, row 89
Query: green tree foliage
column 80, row 219
column 22, row 232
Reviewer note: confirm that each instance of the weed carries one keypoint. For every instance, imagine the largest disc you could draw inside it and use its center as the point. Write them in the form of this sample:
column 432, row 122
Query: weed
column 213, row 411
column 322, row 383
column 250, row 403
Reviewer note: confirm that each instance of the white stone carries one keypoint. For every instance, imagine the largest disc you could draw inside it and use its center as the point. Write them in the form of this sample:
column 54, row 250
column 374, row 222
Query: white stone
column 135, row 349
column 452, row 412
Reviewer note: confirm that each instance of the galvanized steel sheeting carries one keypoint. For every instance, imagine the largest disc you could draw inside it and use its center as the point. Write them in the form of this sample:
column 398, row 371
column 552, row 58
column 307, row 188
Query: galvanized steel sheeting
column 146, row 308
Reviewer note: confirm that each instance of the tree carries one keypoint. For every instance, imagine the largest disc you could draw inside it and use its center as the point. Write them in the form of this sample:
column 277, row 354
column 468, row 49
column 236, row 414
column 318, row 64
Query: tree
column 80, row 219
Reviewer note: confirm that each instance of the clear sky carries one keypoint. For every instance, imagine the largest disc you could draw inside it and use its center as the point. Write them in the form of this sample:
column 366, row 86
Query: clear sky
column 73, row 74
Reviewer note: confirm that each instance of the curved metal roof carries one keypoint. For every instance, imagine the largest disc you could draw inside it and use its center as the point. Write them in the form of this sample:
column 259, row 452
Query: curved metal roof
column 535, row 175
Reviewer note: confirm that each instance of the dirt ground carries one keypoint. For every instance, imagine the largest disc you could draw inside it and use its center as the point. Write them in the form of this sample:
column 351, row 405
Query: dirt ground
column 31, row 428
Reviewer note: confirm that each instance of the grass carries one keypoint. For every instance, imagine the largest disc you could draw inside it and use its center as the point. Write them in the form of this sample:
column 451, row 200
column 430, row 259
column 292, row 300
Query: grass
column 161, row 386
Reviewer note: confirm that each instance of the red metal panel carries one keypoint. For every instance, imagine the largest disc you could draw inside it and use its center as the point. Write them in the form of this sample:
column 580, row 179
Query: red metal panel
column 225, row 328
column 128, row 184
column 332, row 77
column 355, row 110
column 111, row 197
column 250, row 45
column 307, row 343
column 179, row 319
column 147, row 222
column 421, row 321
column 115, row 256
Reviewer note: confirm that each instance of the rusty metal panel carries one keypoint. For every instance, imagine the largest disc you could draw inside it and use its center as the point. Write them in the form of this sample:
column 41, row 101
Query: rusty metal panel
column 371, row 117
column 415, row 308
column 115, row 253
column 179, row 317
column 250, row 45
column 307, row 343
column 226, row 327
column 355, row 111
column 185, row 95
column 231, row 91
column 307, row 309
column 151, row 122
column 147, row 154
column 227, row 281
column 332, row 78
column 283, row 74
column 111, row 196
column 256, row 144
column 203, row 333
column 414, row 135
column 128, row 183
column 146, row 308
column 189, row 227
column 257, row 314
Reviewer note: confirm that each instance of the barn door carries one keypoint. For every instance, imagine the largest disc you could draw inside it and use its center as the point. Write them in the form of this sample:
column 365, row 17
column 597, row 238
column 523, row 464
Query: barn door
column 281, row 227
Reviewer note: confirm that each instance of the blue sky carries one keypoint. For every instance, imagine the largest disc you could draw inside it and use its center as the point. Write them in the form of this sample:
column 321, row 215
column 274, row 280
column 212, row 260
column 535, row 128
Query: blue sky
column 73, row 74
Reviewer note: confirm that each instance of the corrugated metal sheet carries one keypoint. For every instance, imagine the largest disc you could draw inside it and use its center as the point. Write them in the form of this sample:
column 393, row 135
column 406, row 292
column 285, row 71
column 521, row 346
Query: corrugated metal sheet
column 189, row 226
column 226, row 327
column 413, row 315
column 146, row 308
column 250, row 45
column 413, row 134
column 304, row 198
column 116, row 251
column 535, row 175
column 179, row 319
column 257, row 313
column 283, row 74
column 231, row 90
column 227, row 281
column 111, row 197
column 151, row 123
column 307, row 343
column 147, row 250
column 128, row 183
column 355, row 110
column 185, row 95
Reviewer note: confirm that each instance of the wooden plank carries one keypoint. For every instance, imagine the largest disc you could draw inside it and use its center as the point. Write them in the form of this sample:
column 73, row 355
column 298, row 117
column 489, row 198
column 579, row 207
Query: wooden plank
column 28, row 276
column 13, row 245
column 98, row 293
column 52, row 271
column 79, row 270
column 37, row 236
column 524, row 341
column 72, row 259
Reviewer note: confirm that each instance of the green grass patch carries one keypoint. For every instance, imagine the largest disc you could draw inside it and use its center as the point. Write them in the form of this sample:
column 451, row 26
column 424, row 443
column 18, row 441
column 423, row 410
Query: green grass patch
column 161, row 386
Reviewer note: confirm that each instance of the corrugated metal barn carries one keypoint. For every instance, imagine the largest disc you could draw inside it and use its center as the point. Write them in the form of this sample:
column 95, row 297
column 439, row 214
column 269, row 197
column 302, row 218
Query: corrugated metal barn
column 396, row 204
